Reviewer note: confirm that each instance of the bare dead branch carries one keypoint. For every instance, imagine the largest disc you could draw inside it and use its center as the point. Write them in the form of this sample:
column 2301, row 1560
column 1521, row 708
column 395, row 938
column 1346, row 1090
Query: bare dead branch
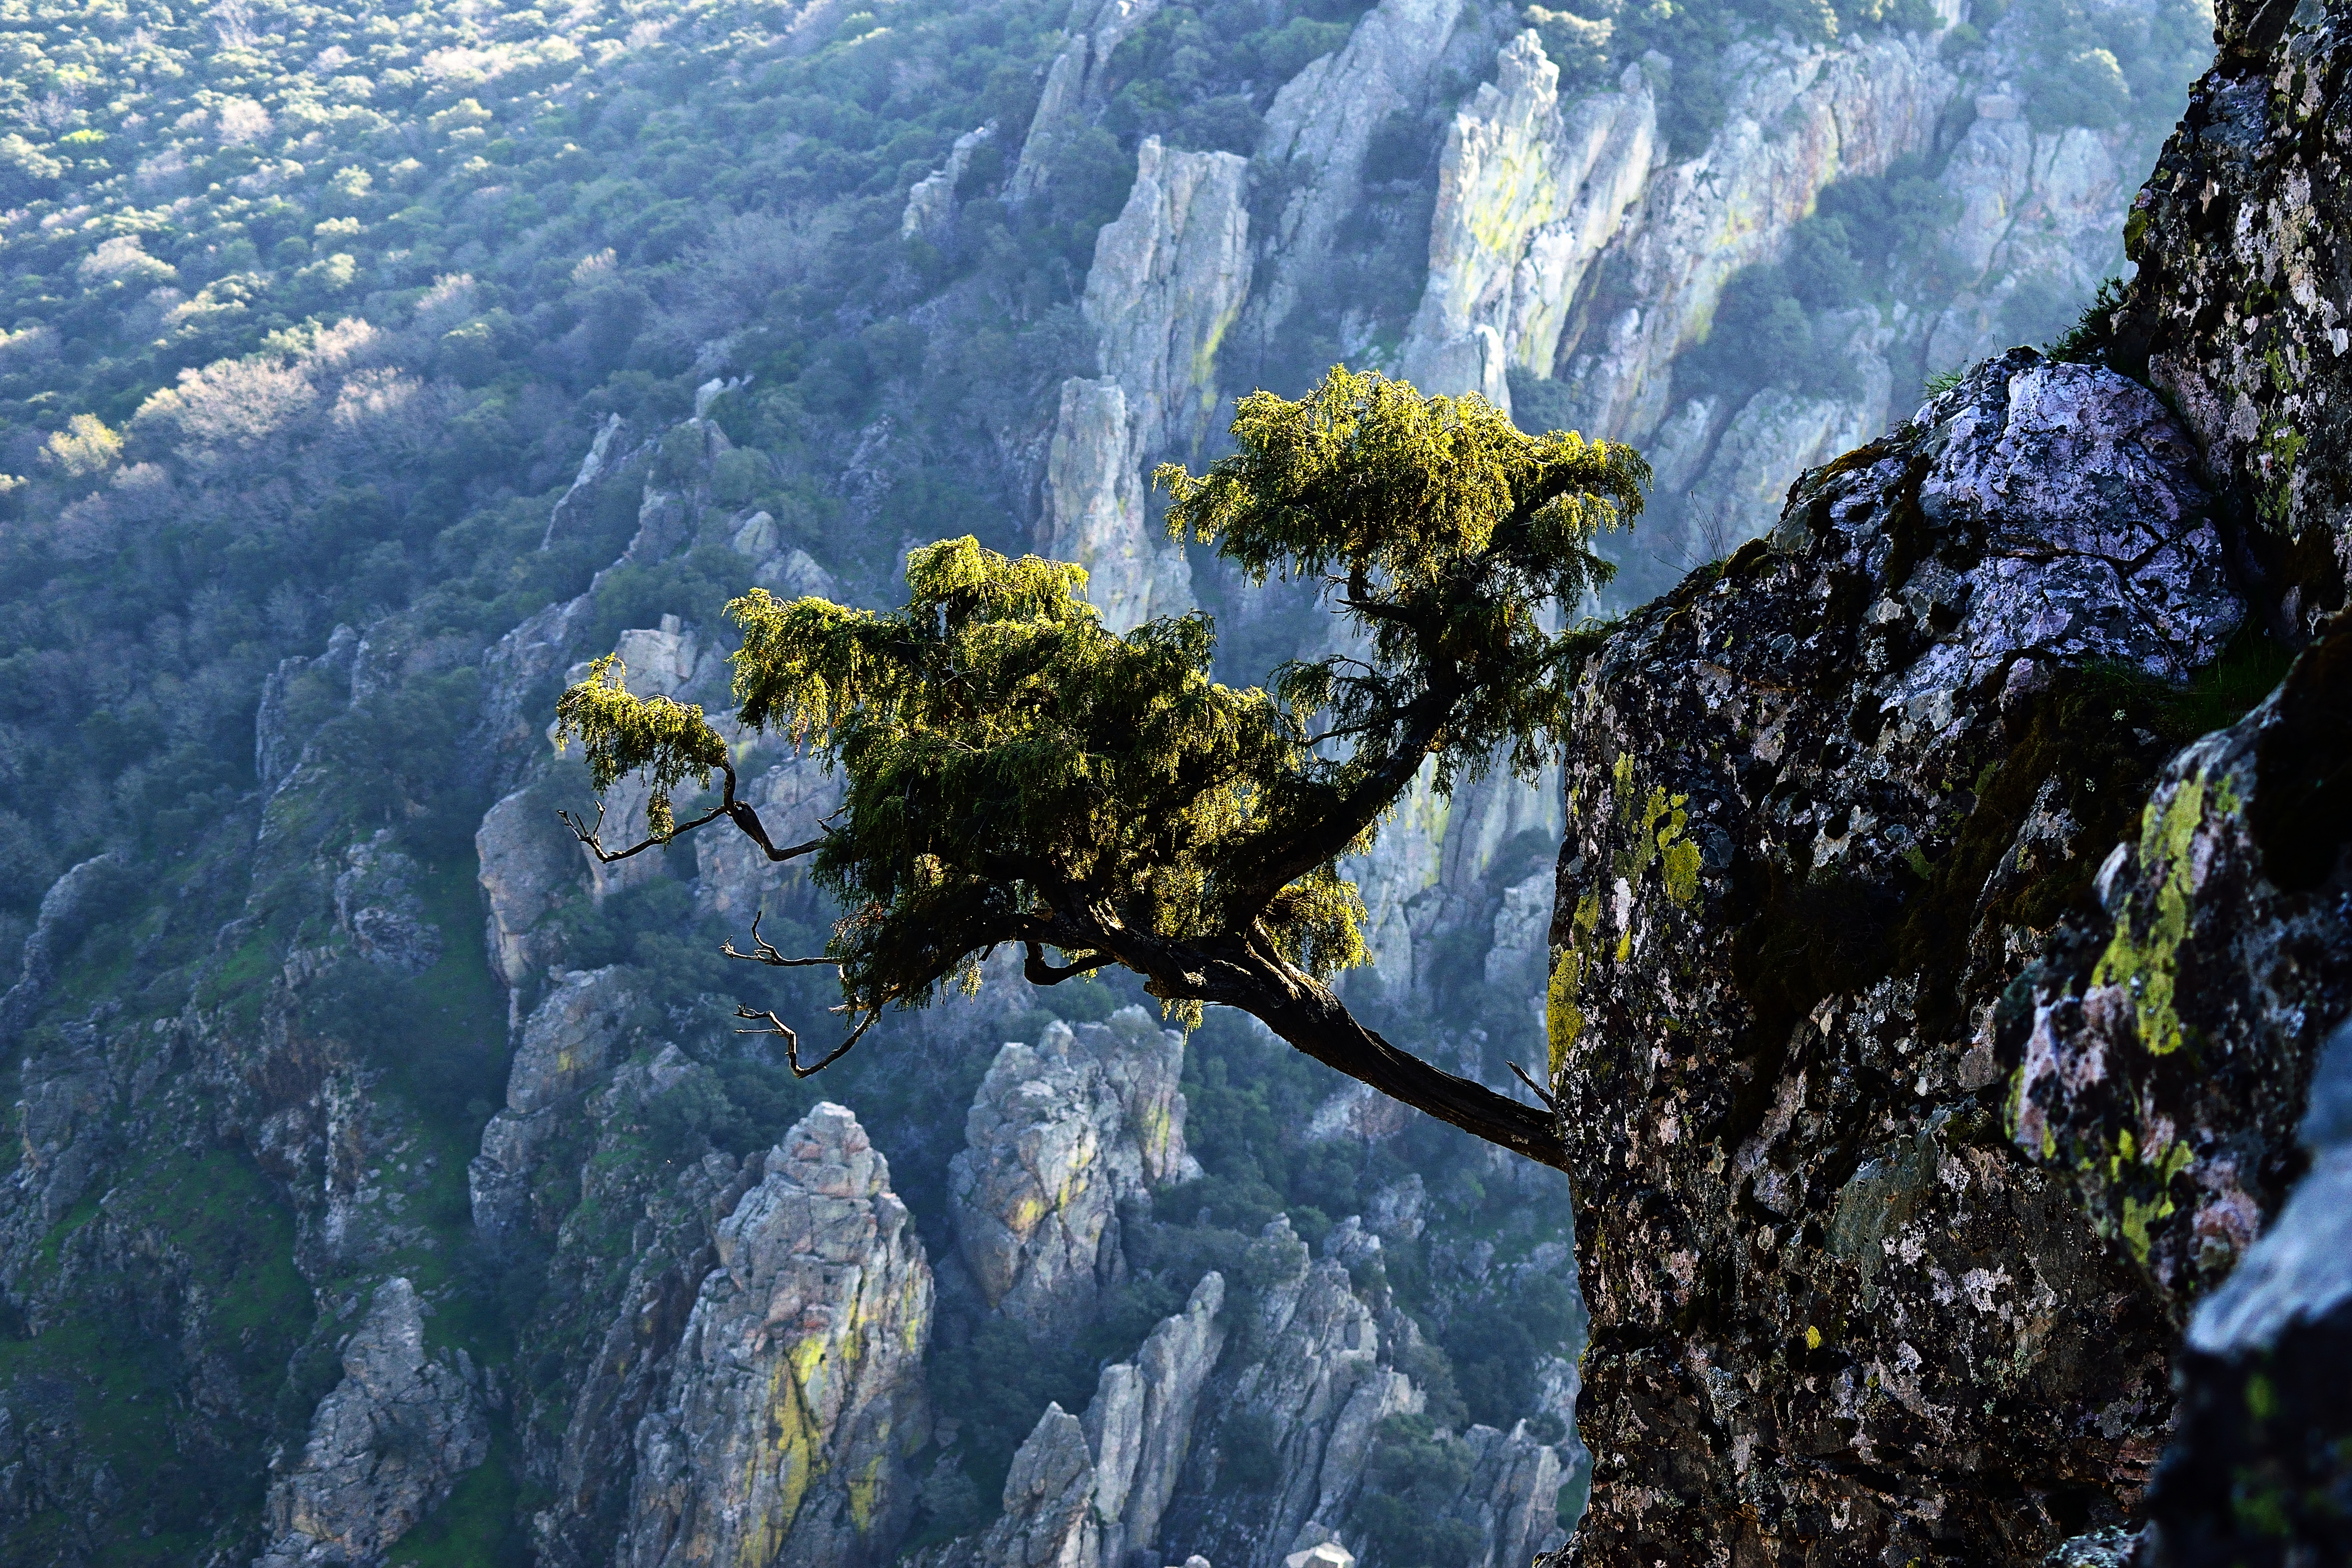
column 765, row 952
column 792, row 1039
column 1540, row 1092
column 740, row 812
column 594, row 837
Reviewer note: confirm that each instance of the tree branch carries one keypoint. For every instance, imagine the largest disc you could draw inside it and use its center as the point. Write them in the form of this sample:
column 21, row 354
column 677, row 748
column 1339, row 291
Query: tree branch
column 1236, row 971
column 793, row 1041
column 739, row 812
column 1037, row 972
column 765, row 952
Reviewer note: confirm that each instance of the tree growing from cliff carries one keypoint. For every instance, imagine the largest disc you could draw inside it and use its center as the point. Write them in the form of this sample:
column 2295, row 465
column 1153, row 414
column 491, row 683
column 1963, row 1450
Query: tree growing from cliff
column 1015, row 773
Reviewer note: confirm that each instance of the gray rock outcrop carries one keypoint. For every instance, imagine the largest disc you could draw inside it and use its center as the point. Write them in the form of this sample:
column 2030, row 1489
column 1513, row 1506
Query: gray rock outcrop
column 1854, row 710
column 734, row 879
column 1527, row 200
column 930, row 202
column 528, row 863
column 385, row 1446
column 1168, row 280
column 1060, row 1135
column 1797, row 117
column 1318, row 128
column 796, row 1390
column 1074, row 87
column 377, row 905
column 1090, row 1493
column 566, row 1045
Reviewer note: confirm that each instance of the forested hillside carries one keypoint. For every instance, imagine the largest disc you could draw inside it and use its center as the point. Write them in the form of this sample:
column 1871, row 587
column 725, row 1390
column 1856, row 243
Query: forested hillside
column 366, row 373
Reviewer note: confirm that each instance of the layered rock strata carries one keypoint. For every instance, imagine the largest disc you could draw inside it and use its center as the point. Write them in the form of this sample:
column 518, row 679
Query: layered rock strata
column 796, row 1389
column 1822, row 806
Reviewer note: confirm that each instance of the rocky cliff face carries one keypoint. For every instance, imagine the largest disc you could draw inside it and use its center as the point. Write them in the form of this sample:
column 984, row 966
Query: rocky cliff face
column 1783, row 945
column 796, row 1388
column 1061, row 1136
column 384, row 1446
column 1527, row 197
column 1169, row 278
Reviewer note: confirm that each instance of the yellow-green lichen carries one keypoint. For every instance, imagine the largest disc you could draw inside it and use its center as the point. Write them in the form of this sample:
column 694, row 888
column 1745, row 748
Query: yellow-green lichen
column 1563, row 1019
column 2147, row 967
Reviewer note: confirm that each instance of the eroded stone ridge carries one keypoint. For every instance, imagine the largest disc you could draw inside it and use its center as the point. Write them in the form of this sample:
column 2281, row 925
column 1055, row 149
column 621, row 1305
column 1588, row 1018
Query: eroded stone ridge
column 1060, row 1136
column 796, row 1390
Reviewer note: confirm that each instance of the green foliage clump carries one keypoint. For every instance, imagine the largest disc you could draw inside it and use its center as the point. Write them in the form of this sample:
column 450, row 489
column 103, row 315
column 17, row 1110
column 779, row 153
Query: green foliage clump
column 1017, row 773
column 1416, row 1473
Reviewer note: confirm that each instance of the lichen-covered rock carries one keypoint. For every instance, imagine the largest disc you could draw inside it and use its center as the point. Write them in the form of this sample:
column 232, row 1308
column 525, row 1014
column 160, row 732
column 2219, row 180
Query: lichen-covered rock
column 1168, row 277
column 566, row 1045
column 2163, row 1061
column 1527, row 199
column 386, row 1445
column 1823, row 805
column 2237, row 303
column 1060, row 1136
column 796, row 1389
column 1796, row 117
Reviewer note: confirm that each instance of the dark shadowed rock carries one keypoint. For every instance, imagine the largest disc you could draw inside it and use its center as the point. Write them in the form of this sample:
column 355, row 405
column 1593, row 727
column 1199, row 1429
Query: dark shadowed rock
column 1824, row 802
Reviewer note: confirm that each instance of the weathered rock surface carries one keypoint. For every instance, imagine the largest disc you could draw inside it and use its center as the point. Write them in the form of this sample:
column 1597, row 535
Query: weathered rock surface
column 930, row 201
column 1061, row 1135
column 1527, row 199
column 1075, row 85
column 385, row 1446
column 566, row 1045
column 529, row 862
column 2235, row 304
column 1318, row 128
column 1168, row 277
column 796, row 1389
column 1796, row 117
column 734, row 879
column 1823, row 807
column 1090, row 1493
column 377, row 905
column 2259, row 1472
